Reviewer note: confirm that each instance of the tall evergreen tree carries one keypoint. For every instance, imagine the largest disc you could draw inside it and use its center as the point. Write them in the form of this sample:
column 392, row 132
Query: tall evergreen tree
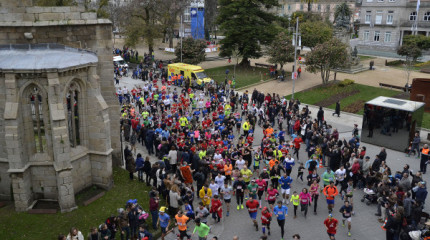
column 246, row 24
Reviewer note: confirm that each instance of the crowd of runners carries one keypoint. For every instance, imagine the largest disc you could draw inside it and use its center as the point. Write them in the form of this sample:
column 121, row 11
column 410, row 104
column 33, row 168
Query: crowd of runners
column 210, row 165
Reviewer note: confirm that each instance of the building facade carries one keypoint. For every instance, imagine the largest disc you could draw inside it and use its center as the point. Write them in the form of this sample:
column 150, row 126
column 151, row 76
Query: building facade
column 384, row 23
column 324, row 7
column 59, row 121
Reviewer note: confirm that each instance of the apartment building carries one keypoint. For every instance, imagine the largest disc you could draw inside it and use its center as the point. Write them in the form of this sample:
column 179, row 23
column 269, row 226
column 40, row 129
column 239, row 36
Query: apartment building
column 324, row 7
column 384, row 23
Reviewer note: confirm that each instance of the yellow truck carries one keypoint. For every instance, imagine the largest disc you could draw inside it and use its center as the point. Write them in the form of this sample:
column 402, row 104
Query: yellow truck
column 194, row 73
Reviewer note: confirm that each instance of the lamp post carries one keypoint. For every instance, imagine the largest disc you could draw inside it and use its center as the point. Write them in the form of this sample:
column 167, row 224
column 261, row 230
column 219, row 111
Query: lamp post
column 297, row 42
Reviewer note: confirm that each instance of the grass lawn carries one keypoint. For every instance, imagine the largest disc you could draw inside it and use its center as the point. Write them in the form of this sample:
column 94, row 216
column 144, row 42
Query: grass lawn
column 22, row 225
column 363, row 57
column 426, row 120
column 244, row 76
column 366, row 93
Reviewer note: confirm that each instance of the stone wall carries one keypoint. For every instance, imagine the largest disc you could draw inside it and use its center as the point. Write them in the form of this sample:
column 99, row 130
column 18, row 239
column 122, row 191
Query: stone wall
column 5, row 181
column 44, row 182
column 81, row 173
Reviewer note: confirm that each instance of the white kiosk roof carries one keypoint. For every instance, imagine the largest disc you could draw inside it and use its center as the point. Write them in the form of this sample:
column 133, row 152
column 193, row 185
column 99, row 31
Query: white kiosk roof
column 394, row 103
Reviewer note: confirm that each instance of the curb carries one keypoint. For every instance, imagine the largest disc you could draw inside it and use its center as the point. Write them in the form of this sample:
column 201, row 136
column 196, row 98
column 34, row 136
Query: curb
column 255, row 84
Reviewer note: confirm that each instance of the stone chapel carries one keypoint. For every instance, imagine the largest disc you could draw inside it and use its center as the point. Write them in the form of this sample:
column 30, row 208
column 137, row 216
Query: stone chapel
column 59, row 117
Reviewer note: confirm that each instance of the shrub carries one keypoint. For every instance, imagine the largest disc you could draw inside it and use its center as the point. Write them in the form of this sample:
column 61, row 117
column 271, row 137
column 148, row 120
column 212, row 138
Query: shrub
column 345, row 83
column 422, row 64
column 395, row 63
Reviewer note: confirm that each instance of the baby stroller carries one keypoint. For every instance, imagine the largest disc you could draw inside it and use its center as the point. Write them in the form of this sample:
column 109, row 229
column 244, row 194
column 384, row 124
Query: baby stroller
column 369, row 196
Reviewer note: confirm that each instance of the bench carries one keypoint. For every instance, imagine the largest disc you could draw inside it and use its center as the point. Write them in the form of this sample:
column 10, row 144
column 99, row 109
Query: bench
column 263, row 65
column 393, row 87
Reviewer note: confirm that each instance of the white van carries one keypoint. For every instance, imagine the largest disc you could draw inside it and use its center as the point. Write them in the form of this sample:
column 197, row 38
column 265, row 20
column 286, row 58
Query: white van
column 119, row 61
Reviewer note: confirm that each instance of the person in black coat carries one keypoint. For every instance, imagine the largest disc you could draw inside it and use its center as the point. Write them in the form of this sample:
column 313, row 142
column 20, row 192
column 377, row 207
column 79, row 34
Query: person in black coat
column 320, row 116
column 393, row 225
column 376, row 164
column 149, row 141
column 335, row 159
column 337, row 109
column 147, row 170
column 383, row 155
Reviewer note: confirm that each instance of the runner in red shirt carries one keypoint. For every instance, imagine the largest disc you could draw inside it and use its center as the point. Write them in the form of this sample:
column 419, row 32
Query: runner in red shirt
column 252, row 205
column 331, row 226
column 266, row 218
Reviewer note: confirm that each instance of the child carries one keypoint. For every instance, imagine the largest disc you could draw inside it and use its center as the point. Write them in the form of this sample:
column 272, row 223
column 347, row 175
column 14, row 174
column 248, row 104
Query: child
column 189, row 210
column 295, row 200
column 266, row 217
column 216, row 209
column 300, row 172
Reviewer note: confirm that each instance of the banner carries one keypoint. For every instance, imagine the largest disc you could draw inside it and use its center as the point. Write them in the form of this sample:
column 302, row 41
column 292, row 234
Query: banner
column 197, row 23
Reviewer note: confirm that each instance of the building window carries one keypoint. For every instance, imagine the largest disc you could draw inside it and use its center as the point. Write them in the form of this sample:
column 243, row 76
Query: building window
column 327, row 8
column 37, row 118
column 391, row 0
column 187, row 15
column 368, row 17
column 366, row 35
column 413, row 16
column 376, row 37
column 289, row 7
column 319, row 7
column 369, row 0
column 427, row 16
column 301, row 7
column 387, row 37
column 390, row 17
column 73, row 102
column 380, row 0
column 378, row 18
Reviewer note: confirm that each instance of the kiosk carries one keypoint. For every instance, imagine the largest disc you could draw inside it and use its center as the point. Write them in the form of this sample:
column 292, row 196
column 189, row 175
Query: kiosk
column 390, row 122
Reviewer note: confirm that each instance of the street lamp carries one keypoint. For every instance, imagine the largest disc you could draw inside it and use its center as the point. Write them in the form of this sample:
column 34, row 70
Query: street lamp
column 297, row 42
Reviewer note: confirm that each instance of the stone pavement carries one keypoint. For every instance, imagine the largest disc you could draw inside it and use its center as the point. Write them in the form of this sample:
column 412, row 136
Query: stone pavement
column 364, row 223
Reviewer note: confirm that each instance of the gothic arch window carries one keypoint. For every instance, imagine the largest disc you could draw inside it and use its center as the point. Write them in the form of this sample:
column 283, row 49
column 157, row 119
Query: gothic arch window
column 73, row 100
column 35, row 120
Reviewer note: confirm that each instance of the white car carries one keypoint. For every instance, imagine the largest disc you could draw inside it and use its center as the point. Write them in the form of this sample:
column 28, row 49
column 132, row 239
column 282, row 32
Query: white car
column 119, row 61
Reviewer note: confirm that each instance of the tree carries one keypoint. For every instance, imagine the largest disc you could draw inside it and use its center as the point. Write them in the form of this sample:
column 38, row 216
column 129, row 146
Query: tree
column 247, row 25
column 327, row 56
column 141, row 21
column 281, row 51
column 236, row 55
column 420, row 41
column 314, row 33
column 309, row 2
column 411, row 53
column 168, row 12
column 193, row 51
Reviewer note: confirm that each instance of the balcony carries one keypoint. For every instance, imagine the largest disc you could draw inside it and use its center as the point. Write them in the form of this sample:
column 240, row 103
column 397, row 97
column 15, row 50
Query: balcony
column 421, row 24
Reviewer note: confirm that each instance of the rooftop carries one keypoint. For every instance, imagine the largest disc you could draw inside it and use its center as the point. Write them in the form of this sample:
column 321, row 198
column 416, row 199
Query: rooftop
column 43, row 57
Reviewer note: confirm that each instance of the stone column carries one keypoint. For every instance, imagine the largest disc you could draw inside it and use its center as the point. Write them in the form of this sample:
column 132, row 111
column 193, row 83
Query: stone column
column 16, row 154
column 105, row 71
column 66, row 193
column 21, row 187
column 60, row 144
column 99, row 128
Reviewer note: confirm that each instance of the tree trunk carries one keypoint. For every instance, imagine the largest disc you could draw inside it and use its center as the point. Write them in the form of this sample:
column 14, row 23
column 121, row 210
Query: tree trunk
column 164, row 36
column 171, row 38
column 245, row 62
